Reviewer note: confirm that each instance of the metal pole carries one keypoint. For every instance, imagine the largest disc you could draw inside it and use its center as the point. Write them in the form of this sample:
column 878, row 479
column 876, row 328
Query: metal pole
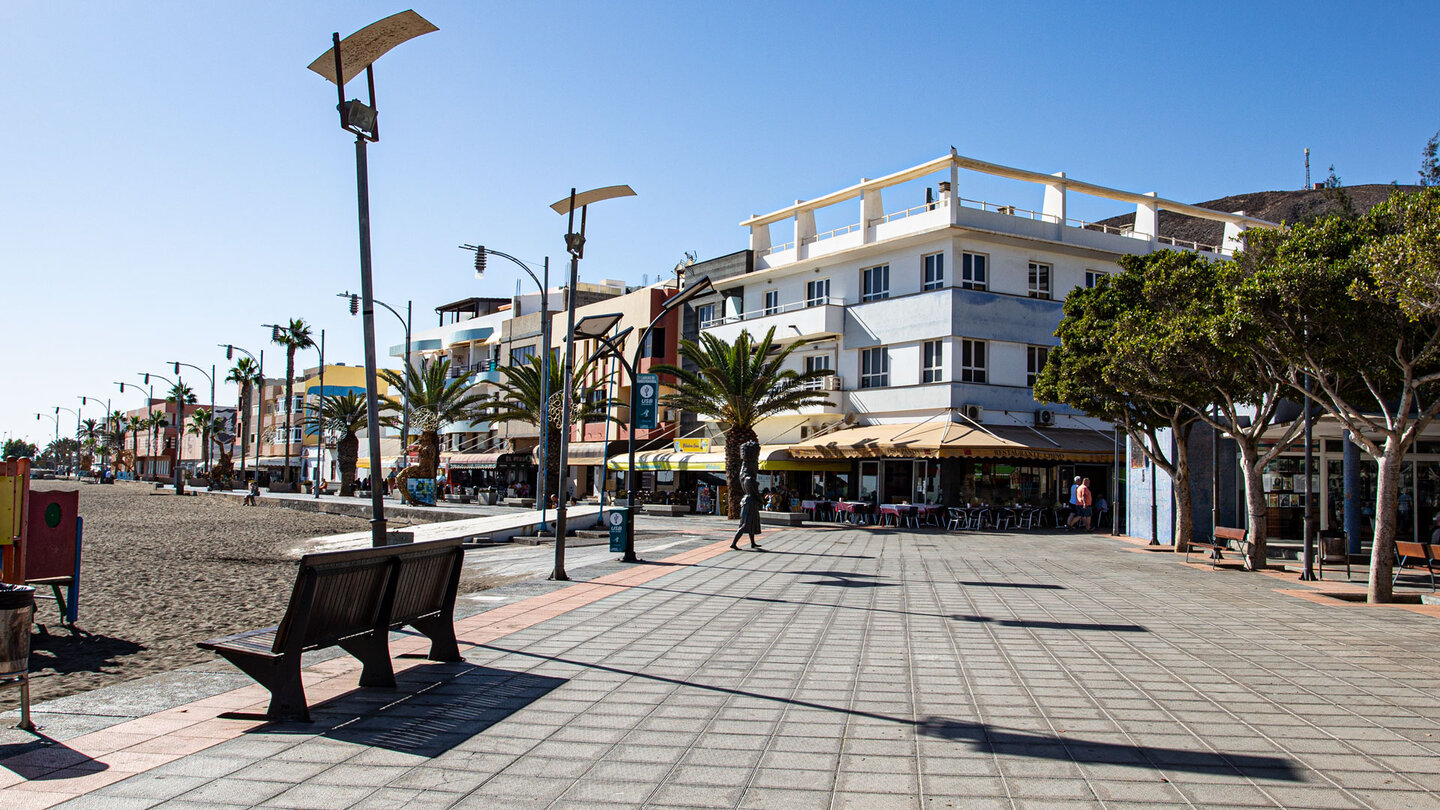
column 1308, row 525
column 632, row 480
column 1115, row 485
column 205, row 432
column 179, row 432
column 320, row 420
column 576, row 246
column 1154, row 506
column 367, row 313
column 405, row 420
column 543, row 489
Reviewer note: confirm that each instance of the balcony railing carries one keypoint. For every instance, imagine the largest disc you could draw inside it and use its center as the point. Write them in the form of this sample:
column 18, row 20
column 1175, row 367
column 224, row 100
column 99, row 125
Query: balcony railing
column 474, row 368
column 765, row 312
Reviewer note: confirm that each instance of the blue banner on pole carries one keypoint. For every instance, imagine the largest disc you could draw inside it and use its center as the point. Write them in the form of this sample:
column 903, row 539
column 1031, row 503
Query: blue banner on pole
column 647, row 411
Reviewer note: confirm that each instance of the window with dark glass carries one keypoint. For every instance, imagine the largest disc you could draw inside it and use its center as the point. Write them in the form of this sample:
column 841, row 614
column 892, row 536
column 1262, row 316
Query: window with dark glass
column 932, row 365
column 817, row 292
column 933, row 271
column 972, row 361
column 1039, row 280
column 874, row 368
column 972, row 271
column 875, row 283
column 1035, row 359
column 772, row 302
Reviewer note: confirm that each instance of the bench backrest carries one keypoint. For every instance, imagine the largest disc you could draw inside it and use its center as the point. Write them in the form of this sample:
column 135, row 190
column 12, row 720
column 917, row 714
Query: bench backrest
column 426, row 581
column 1228, row 533
column 1417, row 551
column 339, row 594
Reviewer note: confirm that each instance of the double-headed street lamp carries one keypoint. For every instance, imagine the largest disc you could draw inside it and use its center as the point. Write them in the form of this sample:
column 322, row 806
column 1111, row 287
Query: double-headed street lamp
column 405, row 388
column 205, row 450
column 575, row 246
column 544, row 284
column 340, row 64
column 104, row 449
column 175, row 385
column 230, row 350
column 134, row 435
column 597, row 327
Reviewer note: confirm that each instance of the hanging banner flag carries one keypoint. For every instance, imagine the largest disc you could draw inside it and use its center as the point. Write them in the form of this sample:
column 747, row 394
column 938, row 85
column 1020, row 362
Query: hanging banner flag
column 647, row 411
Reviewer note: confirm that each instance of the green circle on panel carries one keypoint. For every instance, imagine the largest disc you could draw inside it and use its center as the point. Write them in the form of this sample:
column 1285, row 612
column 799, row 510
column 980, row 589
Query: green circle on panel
column 52, row 515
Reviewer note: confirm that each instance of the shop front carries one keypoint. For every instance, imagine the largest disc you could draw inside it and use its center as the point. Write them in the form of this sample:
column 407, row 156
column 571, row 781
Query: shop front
column 698, row 479
column 500, row 471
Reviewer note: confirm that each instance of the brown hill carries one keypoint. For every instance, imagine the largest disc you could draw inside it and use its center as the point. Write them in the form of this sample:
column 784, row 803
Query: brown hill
column 1276, row 206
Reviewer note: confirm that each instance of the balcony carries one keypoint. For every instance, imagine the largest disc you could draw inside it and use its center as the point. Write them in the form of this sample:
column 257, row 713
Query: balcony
column 487, row 371
column 817, row 320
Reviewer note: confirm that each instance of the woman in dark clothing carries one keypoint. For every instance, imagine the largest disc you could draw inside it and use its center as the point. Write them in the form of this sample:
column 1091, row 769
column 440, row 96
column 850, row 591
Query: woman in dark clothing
column 750, row 497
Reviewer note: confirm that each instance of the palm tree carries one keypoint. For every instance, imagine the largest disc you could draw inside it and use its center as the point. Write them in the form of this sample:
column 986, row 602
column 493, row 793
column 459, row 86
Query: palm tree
column 89, row 434
column 294, row 337
column 436, row 400
column 246, row 375
column 155, row 423
column 738, row 386
column 343, row 415
column 201, row 424
column 518, row 399
column 135, row 423
column 63, row 449
column 181, row 395
column 112, row 438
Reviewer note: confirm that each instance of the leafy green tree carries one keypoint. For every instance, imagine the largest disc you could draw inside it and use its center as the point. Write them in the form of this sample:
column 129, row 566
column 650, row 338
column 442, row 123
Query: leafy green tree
column 1354, row 305
column 19, row 448
column 436, row 400
column 1430, row 162
column 246, row 375
column 1088, row 372
column 1183, row 338
column 344, row 416
column 518, row 399
column 294, row 337
column 738, row 385
column 61, row 452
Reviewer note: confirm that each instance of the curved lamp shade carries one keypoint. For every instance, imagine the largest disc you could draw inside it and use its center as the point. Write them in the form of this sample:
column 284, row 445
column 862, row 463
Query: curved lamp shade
column 594, row 195
column 373, row 41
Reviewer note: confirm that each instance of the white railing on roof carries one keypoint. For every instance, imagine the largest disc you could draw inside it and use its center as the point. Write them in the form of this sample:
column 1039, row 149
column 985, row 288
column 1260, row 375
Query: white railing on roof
column 1008, row 210
column 766, row 312
column 1187, row 243
column 910, row 212
column 840, row 231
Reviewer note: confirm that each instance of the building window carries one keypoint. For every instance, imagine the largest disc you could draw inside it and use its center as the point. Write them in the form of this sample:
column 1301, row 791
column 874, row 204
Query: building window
column 972, row 271
column 521, row 356
column 299, row 403
column 1092, row 277
column 704, row 314
column 1035, row 359
column 933, row 271
column 772, row 302
column 817, row 362
column 972, row 361
column 817, row 292
column 932, row 364
column 1039, row 280
column 297, row 435
column 654, row 343
column 874, row 368
column 875, row 283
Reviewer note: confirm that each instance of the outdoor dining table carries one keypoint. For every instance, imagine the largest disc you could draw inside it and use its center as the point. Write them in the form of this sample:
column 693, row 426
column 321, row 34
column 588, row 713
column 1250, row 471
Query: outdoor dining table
column 900, row 513
column 855, row 511
column 818, row 509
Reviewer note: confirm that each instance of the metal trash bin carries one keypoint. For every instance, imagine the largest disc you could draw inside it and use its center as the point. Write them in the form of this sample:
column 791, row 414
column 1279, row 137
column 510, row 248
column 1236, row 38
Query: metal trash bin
column 17, row 610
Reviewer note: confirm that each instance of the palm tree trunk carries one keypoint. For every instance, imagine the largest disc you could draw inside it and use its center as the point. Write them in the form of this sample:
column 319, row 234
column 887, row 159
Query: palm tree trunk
column 734, row 438
column 348, row 451
column 289, row 396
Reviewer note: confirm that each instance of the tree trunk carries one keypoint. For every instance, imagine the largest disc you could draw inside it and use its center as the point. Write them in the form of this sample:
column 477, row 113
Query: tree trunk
column 734, row 438
column 289, row 396
column 1382, row 548
column 1180, row 483
column 1255, row 509
column 348, row 451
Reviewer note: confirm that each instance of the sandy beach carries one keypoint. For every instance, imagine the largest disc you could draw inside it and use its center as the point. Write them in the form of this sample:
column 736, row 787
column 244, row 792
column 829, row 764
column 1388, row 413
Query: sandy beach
column 160, row 573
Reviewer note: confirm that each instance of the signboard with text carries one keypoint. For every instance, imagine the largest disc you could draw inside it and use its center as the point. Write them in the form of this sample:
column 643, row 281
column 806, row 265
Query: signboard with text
column 647, row 410
column 692, row 445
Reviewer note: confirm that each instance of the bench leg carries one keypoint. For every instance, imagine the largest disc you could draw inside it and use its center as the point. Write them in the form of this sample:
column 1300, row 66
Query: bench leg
column 441, row 632
column 373, row 652
column 281, row 676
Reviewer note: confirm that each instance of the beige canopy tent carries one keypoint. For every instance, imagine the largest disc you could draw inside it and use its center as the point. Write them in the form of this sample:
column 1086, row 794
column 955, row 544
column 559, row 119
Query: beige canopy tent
column 950, row 439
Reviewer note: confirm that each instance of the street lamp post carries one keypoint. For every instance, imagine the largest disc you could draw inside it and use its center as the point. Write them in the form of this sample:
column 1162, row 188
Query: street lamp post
column 135, row 435
column 104, row 451
column 575, row 246
column 675, row 302
column 75, row 460
column 179, row 424
column 204, row 434
column 405, row 389
column 363, row 48
column 541, row 489
column 230, row 350
column 320, row 420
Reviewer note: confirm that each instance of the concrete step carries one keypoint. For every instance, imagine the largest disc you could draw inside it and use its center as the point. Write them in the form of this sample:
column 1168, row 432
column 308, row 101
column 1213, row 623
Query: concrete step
column 572, row 541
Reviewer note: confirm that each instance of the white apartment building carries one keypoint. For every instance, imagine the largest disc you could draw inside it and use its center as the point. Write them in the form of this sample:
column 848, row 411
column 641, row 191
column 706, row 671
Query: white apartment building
column 936, row 314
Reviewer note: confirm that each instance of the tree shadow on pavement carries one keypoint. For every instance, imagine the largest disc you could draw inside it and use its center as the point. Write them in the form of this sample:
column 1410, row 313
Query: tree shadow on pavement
column 78, row 651
column 1040, row 624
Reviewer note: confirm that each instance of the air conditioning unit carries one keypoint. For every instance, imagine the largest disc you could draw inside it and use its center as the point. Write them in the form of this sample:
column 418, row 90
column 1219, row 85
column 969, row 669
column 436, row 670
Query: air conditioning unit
column 834, row 383
column 1044, row 418
column 974, row 413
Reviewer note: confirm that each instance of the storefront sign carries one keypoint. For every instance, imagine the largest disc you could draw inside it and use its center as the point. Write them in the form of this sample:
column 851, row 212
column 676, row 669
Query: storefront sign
column 692, row 445
column 647, row 409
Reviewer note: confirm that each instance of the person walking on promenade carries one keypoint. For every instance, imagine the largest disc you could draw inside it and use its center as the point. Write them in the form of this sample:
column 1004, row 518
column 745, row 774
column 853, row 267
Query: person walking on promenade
column 1087, row 501
column 1074, row 505
column 750, row 499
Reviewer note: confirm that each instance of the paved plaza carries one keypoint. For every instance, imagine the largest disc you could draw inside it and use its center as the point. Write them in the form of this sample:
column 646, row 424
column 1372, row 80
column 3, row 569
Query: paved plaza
column 838, row 668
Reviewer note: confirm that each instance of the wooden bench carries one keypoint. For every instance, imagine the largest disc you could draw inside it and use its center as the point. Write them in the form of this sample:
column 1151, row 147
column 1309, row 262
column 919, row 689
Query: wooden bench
column 1220, row 542
column 1415, row 556
column 352, row 599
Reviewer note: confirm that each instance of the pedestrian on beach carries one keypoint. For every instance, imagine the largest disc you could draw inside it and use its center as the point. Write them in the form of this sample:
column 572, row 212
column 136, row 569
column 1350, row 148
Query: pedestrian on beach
column 750, row 499
column 253, row 495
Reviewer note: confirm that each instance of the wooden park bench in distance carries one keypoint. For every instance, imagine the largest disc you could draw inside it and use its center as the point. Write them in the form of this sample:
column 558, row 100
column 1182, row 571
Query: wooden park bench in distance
column 1415, row 556
column 352, row 599
column 1219, row 542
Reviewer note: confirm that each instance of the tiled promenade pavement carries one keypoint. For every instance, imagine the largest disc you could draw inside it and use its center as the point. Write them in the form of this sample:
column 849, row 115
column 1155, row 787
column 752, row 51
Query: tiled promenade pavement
column 840, row 668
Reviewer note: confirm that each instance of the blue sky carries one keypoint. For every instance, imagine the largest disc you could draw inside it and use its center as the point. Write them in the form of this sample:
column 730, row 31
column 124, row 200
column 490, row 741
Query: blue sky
column 174, row 176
